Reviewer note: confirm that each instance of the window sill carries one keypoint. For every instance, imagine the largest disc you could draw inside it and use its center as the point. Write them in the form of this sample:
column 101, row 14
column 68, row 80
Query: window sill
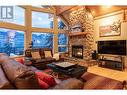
column 63, row 52
column 16, row 56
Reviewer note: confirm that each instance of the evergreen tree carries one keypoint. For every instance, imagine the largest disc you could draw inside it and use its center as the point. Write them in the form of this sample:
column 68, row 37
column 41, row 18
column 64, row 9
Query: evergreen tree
column 7, row 47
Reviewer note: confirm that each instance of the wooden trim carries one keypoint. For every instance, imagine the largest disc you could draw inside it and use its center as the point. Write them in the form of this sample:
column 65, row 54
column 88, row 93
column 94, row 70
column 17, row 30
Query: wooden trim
column 78, row 33
column 63, row 45
column 62, row 31
column 45, row 30
column 64, row 9
column 108, row 15
column 28, row 24
column 43, row 10
column 24, row 7
column 64, row 21
column 55, row 36
column 12, row 26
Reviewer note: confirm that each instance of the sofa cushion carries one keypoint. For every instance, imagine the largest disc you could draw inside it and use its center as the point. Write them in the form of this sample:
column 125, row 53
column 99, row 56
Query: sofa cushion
column 4, row 82
column 48, row 53
column 33, row 68
column 43, row 84
column 20, row 75
column 28, row 81
column 56, row 56
column 45, row 60
column 46, row 78
column 3, row 57
column 35, row 55
column 28, row 52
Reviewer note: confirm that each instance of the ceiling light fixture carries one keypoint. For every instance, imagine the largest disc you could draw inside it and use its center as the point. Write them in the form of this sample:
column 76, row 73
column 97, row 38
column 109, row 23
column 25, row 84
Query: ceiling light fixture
column 93, row 12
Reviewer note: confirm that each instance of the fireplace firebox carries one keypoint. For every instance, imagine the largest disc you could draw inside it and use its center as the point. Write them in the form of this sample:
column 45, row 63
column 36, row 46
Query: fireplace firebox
column 77, row 51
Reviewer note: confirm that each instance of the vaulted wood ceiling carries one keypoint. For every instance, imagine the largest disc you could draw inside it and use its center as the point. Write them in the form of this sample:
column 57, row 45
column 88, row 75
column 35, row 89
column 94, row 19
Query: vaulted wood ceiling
column 96, row 10
column 103, row 10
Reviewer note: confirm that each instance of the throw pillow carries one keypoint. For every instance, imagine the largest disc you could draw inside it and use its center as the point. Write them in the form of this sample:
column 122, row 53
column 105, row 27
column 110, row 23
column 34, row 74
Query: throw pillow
column 47, row 54
column 35, row 55
column 56, row 56
column 20, row 60
column 43, row 84
column 46, row 78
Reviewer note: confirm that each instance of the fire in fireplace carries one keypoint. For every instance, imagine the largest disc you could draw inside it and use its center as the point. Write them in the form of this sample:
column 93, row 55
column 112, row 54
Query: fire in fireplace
column 77, row 51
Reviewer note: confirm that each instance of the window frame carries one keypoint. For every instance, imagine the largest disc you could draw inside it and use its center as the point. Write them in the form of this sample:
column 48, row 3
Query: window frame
column 28, row 29
column 65, row 32
column 63, row 45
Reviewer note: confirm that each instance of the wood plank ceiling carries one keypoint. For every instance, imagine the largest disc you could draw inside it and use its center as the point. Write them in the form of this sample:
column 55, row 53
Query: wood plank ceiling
column 96, row 10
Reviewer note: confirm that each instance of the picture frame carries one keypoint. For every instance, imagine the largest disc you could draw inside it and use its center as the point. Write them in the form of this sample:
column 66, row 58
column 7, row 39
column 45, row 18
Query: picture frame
column 110, row 30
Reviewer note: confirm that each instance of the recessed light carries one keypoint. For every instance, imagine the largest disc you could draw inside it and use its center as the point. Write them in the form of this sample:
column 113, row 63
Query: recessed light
column 93, row 12
column 58, row 19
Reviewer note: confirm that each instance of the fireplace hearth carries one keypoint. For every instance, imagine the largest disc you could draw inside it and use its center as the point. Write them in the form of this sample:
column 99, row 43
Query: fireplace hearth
column 77, row 51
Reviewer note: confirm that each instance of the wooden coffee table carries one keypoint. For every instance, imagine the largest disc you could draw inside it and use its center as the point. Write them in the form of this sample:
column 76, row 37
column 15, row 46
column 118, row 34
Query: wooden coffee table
column 72, row 70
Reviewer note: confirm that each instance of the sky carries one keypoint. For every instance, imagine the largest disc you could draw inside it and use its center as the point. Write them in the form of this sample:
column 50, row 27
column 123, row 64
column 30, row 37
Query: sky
column 40, row 20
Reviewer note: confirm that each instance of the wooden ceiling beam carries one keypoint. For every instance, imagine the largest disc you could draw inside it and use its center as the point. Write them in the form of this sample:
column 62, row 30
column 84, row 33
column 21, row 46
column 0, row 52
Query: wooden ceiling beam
column 64, row 20
column 62, row 9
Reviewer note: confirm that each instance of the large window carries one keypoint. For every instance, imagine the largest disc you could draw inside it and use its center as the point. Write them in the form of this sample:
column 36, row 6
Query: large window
column 42, row 20
column 19, row 16
column 62, row 43
column 61, row 24
column 11, row 42
column 42, row 40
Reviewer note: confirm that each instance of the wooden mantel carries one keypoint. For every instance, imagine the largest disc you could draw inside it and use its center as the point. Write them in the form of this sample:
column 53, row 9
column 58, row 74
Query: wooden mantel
column 78, row 33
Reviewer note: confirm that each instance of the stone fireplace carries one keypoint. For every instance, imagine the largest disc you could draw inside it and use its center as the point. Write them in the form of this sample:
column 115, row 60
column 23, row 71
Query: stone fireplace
column 84, row 17
column 77, row 51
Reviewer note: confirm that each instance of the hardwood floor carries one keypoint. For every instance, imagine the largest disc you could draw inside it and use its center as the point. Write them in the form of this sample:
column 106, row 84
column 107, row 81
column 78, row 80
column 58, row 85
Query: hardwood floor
column 109, row 73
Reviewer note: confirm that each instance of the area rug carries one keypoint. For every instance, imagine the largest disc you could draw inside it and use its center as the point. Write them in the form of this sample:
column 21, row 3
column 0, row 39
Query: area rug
column 56, row 74
column 99, row 82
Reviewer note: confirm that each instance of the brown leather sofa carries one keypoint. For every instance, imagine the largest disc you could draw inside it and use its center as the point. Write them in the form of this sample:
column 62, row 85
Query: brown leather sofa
column 14, row 75
column 41, row 62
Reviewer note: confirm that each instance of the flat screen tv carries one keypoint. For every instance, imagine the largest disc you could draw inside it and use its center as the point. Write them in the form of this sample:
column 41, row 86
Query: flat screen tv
column 116, row 47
